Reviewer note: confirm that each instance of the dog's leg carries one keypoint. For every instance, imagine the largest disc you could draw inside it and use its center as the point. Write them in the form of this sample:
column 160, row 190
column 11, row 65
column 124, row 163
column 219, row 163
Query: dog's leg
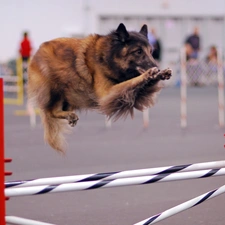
column 145, row 97
column 136, row 82
column 68, row 114
column 121, row 97
column 160, row 75
column 54, row 126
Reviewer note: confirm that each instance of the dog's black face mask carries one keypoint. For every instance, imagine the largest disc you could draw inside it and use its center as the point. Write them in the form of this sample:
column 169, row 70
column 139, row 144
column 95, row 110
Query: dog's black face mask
column 130, row 53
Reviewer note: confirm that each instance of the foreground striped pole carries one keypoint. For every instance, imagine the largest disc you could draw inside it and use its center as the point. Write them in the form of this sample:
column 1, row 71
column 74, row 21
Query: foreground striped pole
column 36, row 190
column 183, row 90
column 179, row 208
column 21, row 221
column 2, row 159
column 117, row 175
column 220, row 89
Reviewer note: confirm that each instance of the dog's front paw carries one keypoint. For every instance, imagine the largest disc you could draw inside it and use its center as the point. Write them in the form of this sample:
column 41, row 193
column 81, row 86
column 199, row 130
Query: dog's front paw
column 152, row 73
column 72, row 119
column 165, row 74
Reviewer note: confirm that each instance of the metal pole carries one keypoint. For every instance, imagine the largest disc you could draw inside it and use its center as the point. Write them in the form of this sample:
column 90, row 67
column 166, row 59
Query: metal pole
column 220, row 88
column 20, row 93
column 2, row 160
column 146, row 117
column 183, row 90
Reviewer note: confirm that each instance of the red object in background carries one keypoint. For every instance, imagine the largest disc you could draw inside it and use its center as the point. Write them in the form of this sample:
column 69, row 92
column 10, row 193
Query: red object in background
column 25, row 48
column 2, row 160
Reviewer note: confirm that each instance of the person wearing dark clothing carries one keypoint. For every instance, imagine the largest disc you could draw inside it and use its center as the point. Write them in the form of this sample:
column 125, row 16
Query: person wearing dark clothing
column 155, row 43
column 157, row 50
column 194, row 41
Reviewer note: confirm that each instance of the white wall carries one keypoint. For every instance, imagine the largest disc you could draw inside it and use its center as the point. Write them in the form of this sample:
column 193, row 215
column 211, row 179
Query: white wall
column 155, row 7
column 178, row 7
column 47, row 19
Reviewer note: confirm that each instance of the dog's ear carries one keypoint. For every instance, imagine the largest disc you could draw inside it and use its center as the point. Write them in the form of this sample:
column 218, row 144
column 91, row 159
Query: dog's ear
column 144, row 30
column 122, row 32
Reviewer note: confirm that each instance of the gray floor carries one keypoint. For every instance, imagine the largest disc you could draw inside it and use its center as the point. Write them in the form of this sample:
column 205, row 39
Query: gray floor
column 92, row 148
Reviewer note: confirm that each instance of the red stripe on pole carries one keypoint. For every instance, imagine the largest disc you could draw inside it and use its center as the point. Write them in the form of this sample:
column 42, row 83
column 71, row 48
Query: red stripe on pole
column 183, row 99
column 8, row 173
column 183, row 117
column 221, row 106
column 8, row 160
column 2, row 160
column 220, row 86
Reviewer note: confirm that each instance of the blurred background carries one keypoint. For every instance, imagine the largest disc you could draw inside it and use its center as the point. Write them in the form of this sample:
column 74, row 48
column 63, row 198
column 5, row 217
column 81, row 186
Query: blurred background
column 185, row 126
column 171, row 21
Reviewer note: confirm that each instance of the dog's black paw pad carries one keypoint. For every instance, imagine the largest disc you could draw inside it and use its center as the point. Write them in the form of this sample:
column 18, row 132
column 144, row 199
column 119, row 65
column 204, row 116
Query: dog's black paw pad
column 165, row 74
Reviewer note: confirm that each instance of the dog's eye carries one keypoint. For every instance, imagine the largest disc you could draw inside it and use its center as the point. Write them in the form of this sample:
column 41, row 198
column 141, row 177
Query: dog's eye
column 139, row 51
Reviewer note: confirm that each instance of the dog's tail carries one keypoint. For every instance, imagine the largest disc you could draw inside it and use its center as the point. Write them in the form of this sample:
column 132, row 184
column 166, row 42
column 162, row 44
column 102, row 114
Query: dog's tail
column 54, row 130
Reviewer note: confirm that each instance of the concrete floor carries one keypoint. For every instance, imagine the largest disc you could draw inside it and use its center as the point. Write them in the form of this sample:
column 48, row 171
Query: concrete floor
column 126, row 145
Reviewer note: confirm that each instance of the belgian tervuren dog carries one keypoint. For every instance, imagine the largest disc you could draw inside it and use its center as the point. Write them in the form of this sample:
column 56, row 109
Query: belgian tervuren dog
column 112, row 73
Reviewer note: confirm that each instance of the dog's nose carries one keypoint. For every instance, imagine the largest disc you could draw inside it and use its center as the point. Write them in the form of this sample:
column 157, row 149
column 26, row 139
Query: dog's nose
column 151, row 65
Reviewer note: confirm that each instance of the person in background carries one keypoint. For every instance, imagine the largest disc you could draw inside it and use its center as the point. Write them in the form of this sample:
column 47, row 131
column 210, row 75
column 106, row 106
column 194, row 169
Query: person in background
column 188, row 51
column 212, row 55
column 25, row 53
column 194, row 41
column 25, row 47
column 155, row 43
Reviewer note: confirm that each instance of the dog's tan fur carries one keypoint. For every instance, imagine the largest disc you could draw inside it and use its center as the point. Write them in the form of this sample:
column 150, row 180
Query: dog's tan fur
column 68, row 74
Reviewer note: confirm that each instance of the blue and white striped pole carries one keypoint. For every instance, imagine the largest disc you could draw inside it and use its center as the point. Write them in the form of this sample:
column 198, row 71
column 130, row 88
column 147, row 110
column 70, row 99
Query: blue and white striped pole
column 116, row 175
column 36, row 190
column 179, row 208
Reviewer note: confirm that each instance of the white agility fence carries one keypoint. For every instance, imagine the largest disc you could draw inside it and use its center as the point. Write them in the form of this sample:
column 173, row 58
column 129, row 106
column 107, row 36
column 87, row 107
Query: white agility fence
column 117, row 175
column 103, row 180
column 14, row 84
column 154, row 219
column 186, row 205
column 89, row 185
column 21, row 221
column 198, row 72
column 117, row 179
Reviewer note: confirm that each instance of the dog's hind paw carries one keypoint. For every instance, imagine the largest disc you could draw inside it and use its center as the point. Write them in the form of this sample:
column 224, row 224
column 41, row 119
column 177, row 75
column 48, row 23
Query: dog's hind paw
column 72, row 119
